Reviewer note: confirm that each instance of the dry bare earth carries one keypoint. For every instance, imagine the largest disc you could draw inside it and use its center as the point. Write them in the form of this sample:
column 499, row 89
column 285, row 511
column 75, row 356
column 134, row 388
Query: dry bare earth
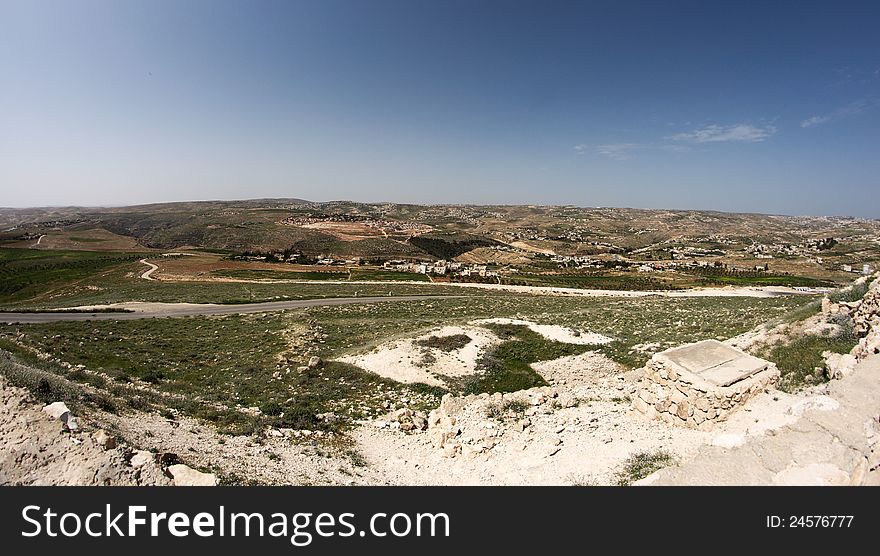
column 35, row 451
column 586, row 444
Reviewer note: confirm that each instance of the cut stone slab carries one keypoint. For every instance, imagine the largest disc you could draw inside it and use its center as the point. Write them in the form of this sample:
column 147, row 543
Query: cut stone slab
column 699, row 384
column 715, row 362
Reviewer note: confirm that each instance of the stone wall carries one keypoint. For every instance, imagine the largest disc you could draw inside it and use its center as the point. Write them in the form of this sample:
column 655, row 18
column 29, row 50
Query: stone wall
column 864, row 315
column 866, row 321
column 680, row 397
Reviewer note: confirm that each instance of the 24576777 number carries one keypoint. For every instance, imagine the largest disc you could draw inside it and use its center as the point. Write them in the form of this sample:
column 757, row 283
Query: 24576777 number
column 803, row 521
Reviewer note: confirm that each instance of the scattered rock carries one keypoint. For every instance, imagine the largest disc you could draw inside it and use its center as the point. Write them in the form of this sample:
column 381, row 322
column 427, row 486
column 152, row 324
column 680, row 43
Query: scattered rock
column 838, row 365
column 567, row 400
column 56, row 410
column 314, row 362
column 140, row 458
column 104, row 440
column 184, row 475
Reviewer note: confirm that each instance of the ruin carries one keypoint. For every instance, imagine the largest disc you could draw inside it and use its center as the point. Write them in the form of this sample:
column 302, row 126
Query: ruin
column 699, row 384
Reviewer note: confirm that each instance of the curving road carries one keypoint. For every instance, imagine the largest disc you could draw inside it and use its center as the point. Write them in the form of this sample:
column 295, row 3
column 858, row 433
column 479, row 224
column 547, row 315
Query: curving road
column 160, row 310
column 153, row 268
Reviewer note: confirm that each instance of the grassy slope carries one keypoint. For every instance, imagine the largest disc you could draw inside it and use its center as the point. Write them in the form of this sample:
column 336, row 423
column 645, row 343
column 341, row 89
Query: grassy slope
column 26, row 273
column 218, row 363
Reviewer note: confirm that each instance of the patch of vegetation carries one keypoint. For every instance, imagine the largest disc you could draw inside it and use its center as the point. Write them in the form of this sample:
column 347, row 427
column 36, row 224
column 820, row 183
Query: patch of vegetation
column 48, row 386
column 598, row 281
column 507, row 368
column 449, row 246
column 260, row 274
column 370, row 274
column 798, row 359
column 851, row 293
column 25, row 273
column 509, row 407
column 87, row 239
column 215, row 369
column 515, row 406
column 70, row 310
column 801, row 313
column 446, row 344
column 640, row 465
column 716, row 276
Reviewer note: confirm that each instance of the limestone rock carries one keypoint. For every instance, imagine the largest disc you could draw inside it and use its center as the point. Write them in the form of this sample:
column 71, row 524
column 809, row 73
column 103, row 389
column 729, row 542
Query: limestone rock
column 104, row 440
column 838, row 365
column 140, row 458
column 567, row 400
column 184, row 475
column 56, row 410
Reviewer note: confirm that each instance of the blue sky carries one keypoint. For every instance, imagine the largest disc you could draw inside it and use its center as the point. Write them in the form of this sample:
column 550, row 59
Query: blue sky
column 738, row 106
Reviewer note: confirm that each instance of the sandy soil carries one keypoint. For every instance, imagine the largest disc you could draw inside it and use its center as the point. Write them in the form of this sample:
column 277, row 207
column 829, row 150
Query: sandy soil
column 552, row 332
column 346, row 231
column 404, row 360
column 527, row 247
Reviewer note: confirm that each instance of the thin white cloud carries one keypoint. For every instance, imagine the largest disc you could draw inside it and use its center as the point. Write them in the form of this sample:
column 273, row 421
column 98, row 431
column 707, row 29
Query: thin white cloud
column 617, row 151
column 815, row 120
column 851, row 109
column 714, row 133
column 625, row 151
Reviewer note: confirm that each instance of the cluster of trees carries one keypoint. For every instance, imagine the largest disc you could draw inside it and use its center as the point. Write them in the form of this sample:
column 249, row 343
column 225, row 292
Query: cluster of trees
column 288, row 255
column 449, row 249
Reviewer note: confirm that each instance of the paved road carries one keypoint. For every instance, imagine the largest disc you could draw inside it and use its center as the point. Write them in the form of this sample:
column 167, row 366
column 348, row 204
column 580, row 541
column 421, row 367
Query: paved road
column 191, row 310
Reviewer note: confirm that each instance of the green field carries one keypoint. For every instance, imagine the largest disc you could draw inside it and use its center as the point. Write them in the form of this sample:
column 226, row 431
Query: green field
column 771, row 280
column 118, row 280
column 259, row 274
column 658, row 281
column 27, row 274
column 629, row 281
column 368, row 274
column 357, row 274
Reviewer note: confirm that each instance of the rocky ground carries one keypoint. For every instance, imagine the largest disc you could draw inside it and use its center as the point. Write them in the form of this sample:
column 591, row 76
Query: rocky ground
column 579, row 430
column 38, row 448
column 834, row 442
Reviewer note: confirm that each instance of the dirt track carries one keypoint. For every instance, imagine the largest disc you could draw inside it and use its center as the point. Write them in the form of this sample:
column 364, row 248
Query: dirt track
column 147, row 273
column 158, row 310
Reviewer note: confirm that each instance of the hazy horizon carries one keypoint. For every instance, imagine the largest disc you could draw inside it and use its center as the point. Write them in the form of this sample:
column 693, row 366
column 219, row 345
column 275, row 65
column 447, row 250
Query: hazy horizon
column 768, row 109
column 381, row 202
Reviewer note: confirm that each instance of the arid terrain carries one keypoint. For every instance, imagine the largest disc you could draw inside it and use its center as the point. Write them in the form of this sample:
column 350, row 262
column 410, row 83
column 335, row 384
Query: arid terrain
column 293, row 342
